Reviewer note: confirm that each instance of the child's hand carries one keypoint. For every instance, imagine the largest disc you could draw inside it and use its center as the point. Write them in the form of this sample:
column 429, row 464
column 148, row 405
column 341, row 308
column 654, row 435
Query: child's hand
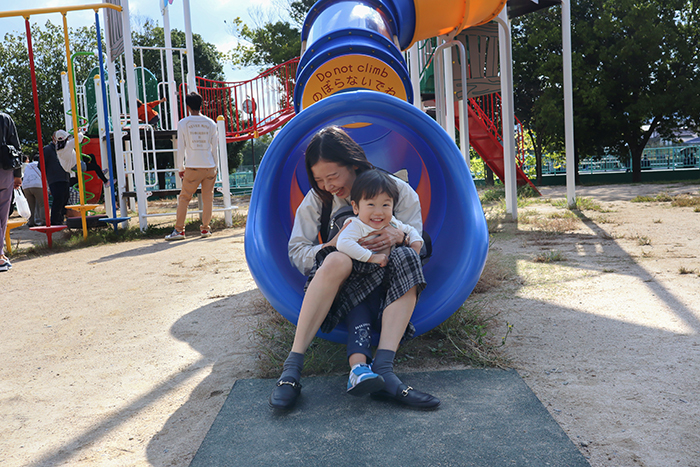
column 379, row 258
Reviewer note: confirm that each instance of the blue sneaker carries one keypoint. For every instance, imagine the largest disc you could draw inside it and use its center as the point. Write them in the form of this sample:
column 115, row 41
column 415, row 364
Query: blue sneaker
column 363, row 381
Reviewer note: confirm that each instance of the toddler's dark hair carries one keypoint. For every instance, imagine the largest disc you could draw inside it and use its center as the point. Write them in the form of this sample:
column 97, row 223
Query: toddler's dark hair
column 370, row 183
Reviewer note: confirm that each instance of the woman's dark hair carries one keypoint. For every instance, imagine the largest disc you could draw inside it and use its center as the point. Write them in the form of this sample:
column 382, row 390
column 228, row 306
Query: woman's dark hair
column 332, row 144
column 371, row 183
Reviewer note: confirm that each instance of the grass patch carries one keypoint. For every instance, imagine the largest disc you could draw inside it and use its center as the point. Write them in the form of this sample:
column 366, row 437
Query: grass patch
column 603, row 220
column 525, row 195
column 562, row 215
column 556, row 222
column 660, row 198
column 557, row 225
column 643, row 240
column 527, row 216
column 549, row 257
column 582, row 204
column 684, row 270
column 492, row 194
column 686, row 201
column 464, row 338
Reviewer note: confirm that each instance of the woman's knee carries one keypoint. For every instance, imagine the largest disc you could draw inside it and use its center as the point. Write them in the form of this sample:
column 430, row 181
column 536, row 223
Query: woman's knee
column 336, row 265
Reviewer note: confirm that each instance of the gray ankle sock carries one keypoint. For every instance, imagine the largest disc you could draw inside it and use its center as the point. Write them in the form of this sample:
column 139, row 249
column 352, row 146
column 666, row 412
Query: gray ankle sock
column 292, row 366
column 383, row 365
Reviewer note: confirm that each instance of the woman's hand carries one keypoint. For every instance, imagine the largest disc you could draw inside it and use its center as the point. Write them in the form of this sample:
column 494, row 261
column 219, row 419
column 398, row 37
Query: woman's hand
column 381, row 239
column 379, row 258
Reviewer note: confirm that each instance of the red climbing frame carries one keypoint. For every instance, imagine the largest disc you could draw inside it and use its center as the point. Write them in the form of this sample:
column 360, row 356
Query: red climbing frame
column 486, row 137
column 254, row 107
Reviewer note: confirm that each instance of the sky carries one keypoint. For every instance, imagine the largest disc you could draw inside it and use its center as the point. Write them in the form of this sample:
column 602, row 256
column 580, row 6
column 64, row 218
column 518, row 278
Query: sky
column 207, row 17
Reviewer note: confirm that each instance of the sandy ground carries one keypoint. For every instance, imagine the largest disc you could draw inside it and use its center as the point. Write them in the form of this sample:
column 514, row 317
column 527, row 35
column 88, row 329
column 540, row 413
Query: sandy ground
column 123, row 354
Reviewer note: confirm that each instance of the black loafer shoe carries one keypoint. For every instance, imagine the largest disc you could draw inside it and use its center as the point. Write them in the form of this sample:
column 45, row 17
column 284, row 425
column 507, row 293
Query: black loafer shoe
column 285, row 394
column 410, row 397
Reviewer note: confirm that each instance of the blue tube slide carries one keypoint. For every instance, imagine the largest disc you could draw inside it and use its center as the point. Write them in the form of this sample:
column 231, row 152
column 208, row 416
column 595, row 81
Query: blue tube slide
column 395, row 135
column 351, row 44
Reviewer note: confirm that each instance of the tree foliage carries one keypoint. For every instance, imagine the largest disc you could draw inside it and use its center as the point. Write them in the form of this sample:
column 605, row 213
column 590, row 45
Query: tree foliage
column 635, row 70
column 207, row 60
column 16, row 96
column 271, row 43
column 50, row 60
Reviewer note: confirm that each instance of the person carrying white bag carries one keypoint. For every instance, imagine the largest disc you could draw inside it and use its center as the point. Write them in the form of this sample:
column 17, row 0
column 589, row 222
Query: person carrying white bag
column 9, row 179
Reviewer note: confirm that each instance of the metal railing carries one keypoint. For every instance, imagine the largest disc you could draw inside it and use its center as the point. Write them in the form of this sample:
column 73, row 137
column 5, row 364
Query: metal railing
column 253, row 107
column 660, row 158
column 488, row 109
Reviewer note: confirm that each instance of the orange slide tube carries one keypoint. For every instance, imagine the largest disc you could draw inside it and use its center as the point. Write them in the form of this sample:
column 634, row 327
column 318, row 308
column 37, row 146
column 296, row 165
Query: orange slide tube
column 452, row 16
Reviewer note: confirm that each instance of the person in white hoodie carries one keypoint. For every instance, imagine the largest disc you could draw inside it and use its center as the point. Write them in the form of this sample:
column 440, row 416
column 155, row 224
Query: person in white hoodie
column 31, row 185
column 197, row 162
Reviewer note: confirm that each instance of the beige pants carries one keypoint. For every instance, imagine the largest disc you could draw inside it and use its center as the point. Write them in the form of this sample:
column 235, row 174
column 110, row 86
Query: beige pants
column 193, row 178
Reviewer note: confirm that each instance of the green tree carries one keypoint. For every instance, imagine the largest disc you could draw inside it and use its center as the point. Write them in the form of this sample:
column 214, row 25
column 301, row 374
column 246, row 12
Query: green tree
column 49, row 49
column 255, row 147
column 635, row 71
column 50, row 61
column 271, row 43
column 207, row 60
column 233, row 152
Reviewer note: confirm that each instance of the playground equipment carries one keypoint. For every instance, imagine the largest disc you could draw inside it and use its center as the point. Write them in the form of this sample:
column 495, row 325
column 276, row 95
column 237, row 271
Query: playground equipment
column 352, row 74
column 49, row 230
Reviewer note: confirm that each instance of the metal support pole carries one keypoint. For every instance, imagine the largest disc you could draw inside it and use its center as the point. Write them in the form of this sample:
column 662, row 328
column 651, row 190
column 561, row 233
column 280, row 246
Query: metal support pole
column 135, row 138
column 568, row 104
column 440, row 98
column 223, row 170
column 507, row 113
column 65, row 90
column 170, row 67
column 415, row 75
column 191, row 81
column 118, row 136
column 37, row 113
column 449, row 91
column 76, row 135
column 103, row 134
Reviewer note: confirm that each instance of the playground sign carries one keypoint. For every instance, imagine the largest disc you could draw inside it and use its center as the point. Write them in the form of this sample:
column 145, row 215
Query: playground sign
column 249, row 106
column 348, row 72
column 115, row 31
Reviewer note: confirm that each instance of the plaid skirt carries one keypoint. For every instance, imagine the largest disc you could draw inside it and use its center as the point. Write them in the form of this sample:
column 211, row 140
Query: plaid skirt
column 403, row 272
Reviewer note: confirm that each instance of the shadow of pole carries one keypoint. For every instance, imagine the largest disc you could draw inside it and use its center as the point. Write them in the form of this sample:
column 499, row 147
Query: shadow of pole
column 100, row 430
column 676, row 306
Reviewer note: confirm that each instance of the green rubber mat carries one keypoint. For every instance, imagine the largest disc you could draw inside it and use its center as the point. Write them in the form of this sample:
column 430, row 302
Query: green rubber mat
column 487, row 418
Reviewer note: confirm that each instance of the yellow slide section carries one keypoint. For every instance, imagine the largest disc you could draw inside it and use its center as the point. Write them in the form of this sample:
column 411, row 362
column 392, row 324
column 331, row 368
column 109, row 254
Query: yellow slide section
column 436, row 18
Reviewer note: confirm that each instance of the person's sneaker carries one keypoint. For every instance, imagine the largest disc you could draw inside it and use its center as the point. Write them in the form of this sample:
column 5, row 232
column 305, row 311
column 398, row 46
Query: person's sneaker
column 363, row 381
column 205, row 233
column 5, row 265
column 175, row 235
